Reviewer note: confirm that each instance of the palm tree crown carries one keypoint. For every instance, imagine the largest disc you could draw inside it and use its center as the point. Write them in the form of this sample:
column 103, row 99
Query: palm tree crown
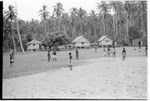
column 44, row 13
column 10, row 14
column 58, row 9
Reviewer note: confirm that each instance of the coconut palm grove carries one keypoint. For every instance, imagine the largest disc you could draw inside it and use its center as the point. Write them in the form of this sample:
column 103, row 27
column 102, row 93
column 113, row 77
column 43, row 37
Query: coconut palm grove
column 128, row 22
column 101, row 54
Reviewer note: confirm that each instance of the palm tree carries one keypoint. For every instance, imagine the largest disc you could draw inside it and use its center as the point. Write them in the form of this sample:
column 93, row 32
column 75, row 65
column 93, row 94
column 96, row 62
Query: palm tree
column 93, row 18
column 73, row 18
column 58, row 11
column 143, row 8
column 128, row 11
column 19, row 33
column 118, row 9
column 114, row 8
column 65, row 21
column 11, row 15
column 103, row 7
column 44, row 15
column 81, row 14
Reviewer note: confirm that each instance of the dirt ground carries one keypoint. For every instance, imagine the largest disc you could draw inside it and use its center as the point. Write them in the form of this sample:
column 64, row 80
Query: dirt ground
column 99, row 77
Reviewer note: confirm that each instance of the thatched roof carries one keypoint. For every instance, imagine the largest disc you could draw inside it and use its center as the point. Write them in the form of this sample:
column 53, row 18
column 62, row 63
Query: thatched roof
column 80, row 39
column 34, row 41
column 103, row 37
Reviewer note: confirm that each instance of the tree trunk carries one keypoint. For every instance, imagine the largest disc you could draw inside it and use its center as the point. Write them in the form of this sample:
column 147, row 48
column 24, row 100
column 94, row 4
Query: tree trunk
column 127, row 27
column 142, row 25
column 94, row 29
column 114, row 27
column 19, row 37
column 74, row 29
column 104, row 24
column 14, row 44
column 45, row 29
column 81, row 26
column 19, row 32
column 59, row 26
column 81, row 30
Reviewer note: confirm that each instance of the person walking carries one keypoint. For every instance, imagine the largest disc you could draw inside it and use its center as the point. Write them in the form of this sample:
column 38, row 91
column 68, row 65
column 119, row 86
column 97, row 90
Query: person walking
column 70, row 59
column 77, row 54
column 123, row 54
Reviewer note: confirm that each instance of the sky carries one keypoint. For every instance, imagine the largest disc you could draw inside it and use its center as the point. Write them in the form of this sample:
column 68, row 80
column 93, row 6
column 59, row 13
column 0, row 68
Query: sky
column 28, row 9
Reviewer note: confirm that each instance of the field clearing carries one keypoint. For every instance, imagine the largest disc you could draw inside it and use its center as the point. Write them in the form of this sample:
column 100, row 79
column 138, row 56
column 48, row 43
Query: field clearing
column 102, row 78
column 35, row 62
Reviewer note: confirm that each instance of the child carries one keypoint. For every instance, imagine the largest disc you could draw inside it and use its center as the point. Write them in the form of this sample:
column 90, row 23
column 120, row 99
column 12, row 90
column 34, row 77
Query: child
column 123, row 54
column 48, row 55
column 104, row 53
column 114, row 52
column 11, row 57
column 70, row 58
column 77, row 54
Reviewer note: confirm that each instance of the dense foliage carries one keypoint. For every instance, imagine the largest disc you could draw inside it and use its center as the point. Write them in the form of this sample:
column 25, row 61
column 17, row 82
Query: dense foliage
column 128, row 23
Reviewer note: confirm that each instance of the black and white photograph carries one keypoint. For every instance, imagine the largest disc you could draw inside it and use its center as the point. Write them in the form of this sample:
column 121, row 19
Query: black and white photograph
column 75, row 49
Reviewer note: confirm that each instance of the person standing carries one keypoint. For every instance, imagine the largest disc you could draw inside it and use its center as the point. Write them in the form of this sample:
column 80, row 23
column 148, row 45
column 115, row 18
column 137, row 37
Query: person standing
column 95, row 48
column 70, row 58
column 108, row 51
column 139, row 44
column 54, row 55
column 11, row 57
column 105, row 53
column 123, row 54
column 48, row 55
column 114, row 52
column 77, row 54
column 146, row 50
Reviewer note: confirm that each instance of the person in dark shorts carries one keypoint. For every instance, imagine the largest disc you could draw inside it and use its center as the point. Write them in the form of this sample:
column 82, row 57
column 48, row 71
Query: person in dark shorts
column 70, row 58
column 11, row 57
column 77, row 54
column 123, row 54
column 48, row 55
column 139, row 44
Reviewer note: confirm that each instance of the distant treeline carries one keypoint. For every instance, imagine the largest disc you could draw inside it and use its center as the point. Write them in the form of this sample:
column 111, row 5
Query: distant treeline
column 128, row 22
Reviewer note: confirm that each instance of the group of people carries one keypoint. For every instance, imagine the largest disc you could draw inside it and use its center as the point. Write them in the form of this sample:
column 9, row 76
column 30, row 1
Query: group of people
column 70, row 58
column 108, row 51
column 53, row 56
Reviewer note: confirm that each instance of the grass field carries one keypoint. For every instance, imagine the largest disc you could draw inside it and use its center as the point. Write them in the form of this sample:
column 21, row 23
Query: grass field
column 93, row 76
column 35, row 62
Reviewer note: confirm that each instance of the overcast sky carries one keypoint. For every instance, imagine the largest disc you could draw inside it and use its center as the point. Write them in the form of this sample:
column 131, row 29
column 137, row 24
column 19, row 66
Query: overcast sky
column 28, row 9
